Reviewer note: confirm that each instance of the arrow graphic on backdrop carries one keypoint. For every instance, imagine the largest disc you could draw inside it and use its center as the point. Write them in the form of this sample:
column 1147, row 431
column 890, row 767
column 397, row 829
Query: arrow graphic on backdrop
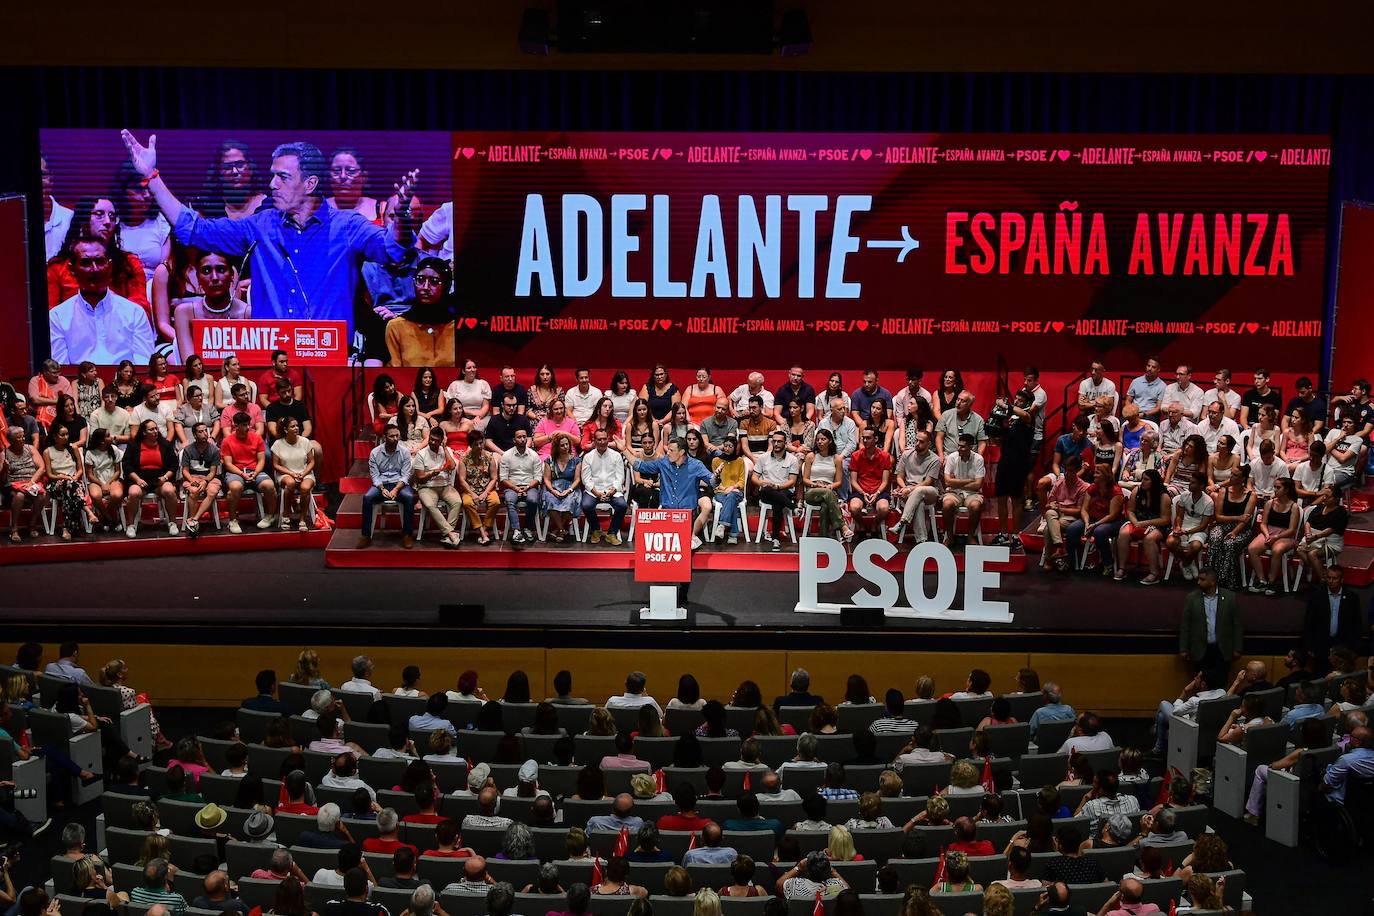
column 906, row 243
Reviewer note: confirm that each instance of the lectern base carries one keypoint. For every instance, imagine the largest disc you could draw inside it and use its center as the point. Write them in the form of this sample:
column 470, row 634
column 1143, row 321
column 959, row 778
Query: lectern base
column 663, row 604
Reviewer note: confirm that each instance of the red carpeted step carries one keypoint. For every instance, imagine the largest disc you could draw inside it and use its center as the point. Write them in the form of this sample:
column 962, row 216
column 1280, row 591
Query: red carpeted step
column 157, row 543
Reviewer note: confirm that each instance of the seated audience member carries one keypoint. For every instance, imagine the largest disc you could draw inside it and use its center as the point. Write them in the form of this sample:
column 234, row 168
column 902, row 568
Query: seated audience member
column 1344, row 446
column 870, row 816
column 388, row 834
column 1105, row 800
column 151, row 407
column 488, row 802
column 150, row 466
column 478, row 476
column 1074, row 443
column 823, row 478
column 329, row 833
column 562, row 495
column 812, row 876
column 435, row 469
column 245, row 471
column 296, row 789
column 1160, row 829
column 344, row 775
column 1065, row 503
column 686, row 818
column 1193, row 512
column 1087, row 735
column 1071, row 866
column 197, row 409
column 521, row 474
column 963, row 480
column 110, row 417
column 446, row 838
column 24, row 469
column 501, row 428
column 1323, row 534
column 870, row 483
column 200, row 476
column 266, row 701
column 65, row 470
column 710, row 851
column 241, row 402
column 556, row 422
column 755, row 427
column 1277, row 533
column 775, row 480
column 720, row 427
column 1149, row 515
column 45, row 388
column 218, row 895
column 331, row 738
column 603, row 482
column 966, row 839
column 293, row 461
column 283, row 406
column 389, row 468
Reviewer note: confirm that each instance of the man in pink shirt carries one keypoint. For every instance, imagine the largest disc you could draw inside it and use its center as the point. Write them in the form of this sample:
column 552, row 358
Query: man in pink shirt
column 1068, row 500
column 624, row 758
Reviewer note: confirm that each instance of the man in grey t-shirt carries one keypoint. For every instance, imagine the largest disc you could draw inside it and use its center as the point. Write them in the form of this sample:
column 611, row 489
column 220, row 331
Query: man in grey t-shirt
column 918, row 477
column 719, row 426
column 200, row 467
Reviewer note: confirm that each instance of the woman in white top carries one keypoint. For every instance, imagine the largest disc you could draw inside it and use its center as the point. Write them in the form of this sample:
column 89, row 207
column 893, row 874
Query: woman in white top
column 1267, row 427
column 414, row 426
column 103, row 477
column 231, row 377
column 622, row 395
column 1221, row 464
column 293, row 461
column 474, row 393
column 67, row 480
column 834, row 388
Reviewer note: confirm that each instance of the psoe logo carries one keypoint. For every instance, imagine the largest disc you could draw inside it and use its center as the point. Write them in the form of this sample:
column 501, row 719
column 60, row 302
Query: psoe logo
column 662, row 546
column 316, row 339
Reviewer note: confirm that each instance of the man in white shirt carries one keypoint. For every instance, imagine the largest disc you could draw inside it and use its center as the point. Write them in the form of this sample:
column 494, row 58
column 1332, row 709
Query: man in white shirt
column 1311, row 475
column 344, row 775
column 846, row 435
column 437, row 232
column 1182, row 391
column 603, row 481
column 739, row 398
column 964, row 472
column 582, row 398
column 361, row 681
column 770, row 789
column 1222, row 393
column 1175, row 428
column 434, row 467
column 111, row 417
column 151, row 409
column 1193, row 513
column 1266, row 470
column 1087, row 736
column 919, row 472
column 56, row 218
column 1216, row 425
column 1343, row 446
column 634, row 695
column 521, row 472
column 1205, row 685
column 775, row 479
column 97, row 323
column 1095, row 386
column 1147, row 391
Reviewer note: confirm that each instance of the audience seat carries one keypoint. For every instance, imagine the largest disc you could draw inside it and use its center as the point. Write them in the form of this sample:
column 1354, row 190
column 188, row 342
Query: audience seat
column 245, row 858
column 51, row 729
column 517, row 873
column 1050, row 736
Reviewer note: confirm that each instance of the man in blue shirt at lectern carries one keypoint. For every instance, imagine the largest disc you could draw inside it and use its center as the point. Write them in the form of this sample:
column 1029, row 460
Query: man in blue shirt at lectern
column 678, row 476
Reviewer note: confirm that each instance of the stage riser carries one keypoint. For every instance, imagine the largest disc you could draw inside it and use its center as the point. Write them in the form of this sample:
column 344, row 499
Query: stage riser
column 148, row 511
column 155, row 542
column 178, row 675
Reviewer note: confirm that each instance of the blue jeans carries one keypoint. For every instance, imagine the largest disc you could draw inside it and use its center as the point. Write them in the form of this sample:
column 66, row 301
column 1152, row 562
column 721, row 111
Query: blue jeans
column 531, row 499
column 1103, row 535
column 1162, row 714
column 618, row 507
column 729, row 509
column 405, row 497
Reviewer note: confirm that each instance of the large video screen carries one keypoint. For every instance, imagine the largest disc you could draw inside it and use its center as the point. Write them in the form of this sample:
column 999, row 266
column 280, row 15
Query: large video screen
column 758, row 249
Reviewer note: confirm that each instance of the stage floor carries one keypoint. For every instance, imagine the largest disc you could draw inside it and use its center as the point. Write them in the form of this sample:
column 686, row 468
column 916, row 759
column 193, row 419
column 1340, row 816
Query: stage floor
column 289, row 595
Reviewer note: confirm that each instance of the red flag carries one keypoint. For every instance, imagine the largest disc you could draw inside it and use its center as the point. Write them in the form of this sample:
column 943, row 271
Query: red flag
column 1068, row 771
column 989, row 784
column 596, row 872
column 820, row 906
column 660, row 781
column 940, row 870
column 622, row 842
column 692, row 843
column 746, row 780
column 1164, row 787
column 1168, row 869
column 1173, row 907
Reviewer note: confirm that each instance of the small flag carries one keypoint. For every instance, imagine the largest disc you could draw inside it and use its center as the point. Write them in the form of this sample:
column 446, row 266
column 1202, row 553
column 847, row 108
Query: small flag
column 1168, row 870
column 1164, row 787
column 1173, row 907
column 660, row 781
column 819, row 909
column 622, row 842
column 746, row 780
column 596, row 872
column 692, row 843
column 989, row 784
column 1068, row 771
column 940, row 869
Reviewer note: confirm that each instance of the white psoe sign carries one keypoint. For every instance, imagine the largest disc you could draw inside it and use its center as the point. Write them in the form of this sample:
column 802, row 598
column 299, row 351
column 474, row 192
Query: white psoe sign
column 824, row 560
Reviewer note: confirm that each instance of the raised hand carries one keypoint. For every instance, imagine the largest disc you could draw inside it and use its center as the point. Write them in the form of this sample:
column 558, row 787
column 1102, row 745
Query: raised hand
column 405, row 188
column 144, row 158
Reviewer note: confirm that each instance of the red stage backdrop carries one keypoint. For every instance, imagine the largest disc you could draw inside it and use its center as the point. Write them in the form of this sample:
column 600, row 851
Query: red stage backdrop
column 888, row 249
column 1354, row 332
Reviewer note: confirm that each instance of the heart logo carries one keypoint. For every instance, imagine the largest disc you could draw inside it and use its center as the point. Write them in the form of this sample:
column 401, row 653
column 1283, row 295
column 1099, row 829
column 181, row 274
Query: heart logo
column 861, row 325
column 469, row 152
column 1063, row 155
column 665, row 323
column 865, row 154
column 666, row 153
column 1261, row 155
column 674, row 557
column 469, row 323
column 1252, row 327
column 1058, row 326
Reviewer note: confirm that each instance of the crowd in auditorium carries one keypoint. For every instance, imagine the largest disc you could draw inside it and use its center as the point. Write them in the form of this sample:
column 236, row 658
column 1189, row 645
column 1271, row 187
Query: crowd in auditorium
column 446, row 794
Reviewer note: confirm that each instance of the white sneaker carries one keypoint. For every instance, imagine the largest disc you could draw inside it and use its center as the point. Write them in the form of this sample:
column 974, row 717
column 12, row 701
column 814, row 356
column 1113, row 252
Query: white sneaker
column 696, row 542
column 234, row 527
column 267, row 522
column 1189, row 572
column 172, row 529
column 720, row 532
column 894, row 529
column 131, row 531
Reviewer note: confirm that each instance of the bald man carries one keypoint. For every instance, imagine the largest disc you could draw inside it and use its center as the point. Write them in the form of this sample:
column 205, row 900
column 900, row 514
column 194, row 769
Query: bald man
column 1254, row 676
column 710, row 852
column 217, row 895
column 1127, row 900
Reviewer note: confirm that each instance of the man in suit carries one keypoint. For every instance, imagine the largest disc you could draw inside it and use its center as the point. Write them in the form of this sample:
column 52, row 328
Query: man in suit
column 1332, row 617
column 265, row 701
column 1211, row 633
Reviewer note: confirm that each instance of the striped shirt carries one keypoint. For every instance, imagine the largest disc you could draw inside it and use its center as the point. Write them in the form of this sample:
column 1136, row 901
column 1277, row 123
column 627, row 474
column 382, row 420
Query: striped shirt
column 147, row 896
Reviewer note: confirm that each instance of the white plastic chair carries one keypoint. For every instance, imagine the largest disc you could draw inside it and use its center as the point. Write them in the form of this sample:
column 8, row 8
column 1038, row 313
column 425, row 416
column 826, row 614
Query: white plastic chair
column 710, row 531
column 424, row 517
column 50, row 518
column 932, row 524
column 138, row 515
column 186, row 508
